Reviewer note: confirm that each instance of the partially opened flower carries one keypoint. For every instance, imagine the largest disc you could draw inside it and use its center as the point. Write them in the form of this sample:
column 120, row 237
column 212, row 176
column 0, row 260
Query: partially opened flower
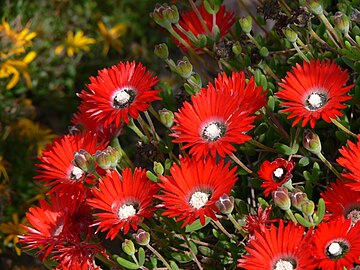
column 275, row 174
column 194, row 187
column 219, row 116
column 314, row 91
column 285, row 247
column 118, row 93
column 350, row 160
column 337, row 244
column 124, row 201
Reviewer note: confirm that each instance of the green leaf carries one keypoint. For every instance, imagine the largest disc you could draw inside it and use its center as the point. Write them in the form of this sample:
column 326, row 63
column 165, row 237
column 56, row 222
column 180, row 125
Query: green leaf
column 320, row 210
column 174, row 266
column 206, row 251
column 152, row 177
column 307, row 175
column 304, row 161
column 304, row 222
column 196, row 225
column 181, row 257
column 125, row 263
column 282, row 148
column 141, row 256
column 271, row 103
column 153, row 261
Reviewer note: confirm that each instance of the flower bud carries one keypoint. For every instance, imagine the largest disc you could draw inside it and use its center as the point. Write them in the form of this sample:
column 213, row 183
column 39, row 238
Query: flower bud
column 341, row 22
column 171, row 14
column 298, row 198
column 158, row 168
column 142, row 237
column 264, row 52
column 236, row 48
column 166, row 117
column 308, row 207
column 84, row 161
column 212, row 7
column 281, row 198
column 108, row 158
column 196, row 80
column 290, row 34
column 246, row 24
column 128, row 247
column 315, row 6
column 225, row 204
column 162, row 51
column 159, row 16
column 184, row 68
column 311, row 142
column 198, row 41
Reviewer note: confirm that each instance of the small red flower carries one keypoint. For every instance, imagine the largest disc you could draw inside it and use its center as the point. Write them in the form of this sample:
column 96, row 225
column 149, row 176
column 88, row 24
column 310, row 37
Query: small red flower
column 124, row 200
column 118, row 93
column 275, row 174
column 286, row 247
column 337, row 244
column 194, row 187
column 350, row 160
column 219, row 116
column 190, row 22
column 259, row 220
column 314, row 90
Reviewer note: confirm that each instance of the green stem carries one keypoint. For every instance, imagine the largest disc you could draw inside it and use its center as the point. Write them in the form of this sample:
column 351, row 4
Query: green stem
column 248, row 11
column 253, row 40
column 277, row 123
column 329, row 165
column 192, row 252
column 221, row 227
column 343, row 128
column 195, row 9
column 353, row 42
column 268, row 70
column 291, row 215
column 319, row 39
column 137, row 131
column 262, row 146
column 305, row 47
column 331, row 29
column 303, row 56
column 237, row 225
column 157, row 254
column 242, row 165
column 116, row 144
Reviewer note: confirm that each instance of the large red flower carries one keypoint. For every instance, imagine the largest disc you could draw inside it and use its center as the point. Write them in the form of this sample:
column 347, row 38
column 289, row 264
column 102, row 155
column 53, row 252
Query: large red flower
column 341, row 200
column 190, row 22
column 57, row 168
column 314, row 90
column 124, row 200
column 118, row 93
column 219, row 116
column 275, row 174
column 337, row 244
column 286, row 247
column 194, row 187
column 350, row 160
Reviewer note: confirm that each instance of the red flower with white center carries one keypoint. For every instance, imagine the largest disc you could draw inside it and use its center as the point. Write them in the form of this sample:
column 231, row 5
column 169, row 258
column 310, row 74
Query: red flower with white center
column 275, row 174
column 118, row 93
column 341, row 200
column 194, row 187
column 285, row 247
column 314, row 91
column 190, row 22
column 124, row 200
column 337, row 244
column 57, row 168
column 219, row 116
column 350, row 160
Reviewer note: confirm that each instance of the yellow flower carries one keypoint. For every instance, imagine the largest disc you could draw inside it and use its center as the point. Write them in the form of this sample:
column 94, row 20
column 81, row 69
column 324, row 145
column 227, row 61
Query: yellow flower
column 38, row 136
column 74, row 44
column 12, row 229
column 15, row 67
column 110, row 37
column 4, row 166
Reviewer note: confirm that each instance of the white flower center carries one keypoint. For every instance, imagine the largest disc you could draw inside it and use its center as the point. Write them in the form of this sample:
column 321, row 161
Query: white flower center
column 335, row 249
column 283, row 265
column 278, row 172
column 315, row 101
column 76, row 173
column 123, row 97
column 355, row 216
column 199, row 199
column 213, row 131
column 126, row 210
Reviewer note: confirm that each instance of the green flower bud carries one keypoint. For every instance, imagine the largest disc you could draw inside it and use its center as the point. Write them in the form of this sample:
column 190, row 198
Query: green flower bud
column 236, row 48
column 108, row 158
column 212, row 6
column 311, row 142
column 142, row 237
column 342, row 22
column 159, row 16
column 315, row 6
column 198, row 41
column 196, row 80
column 184, row 68
column 297, row 198
column 225, row 204
column 162, row 51
column 290, row 34
column 308, row 207
column 158, row 168
column 84, row 161
column 171, row 14
column 246, row 24
column 264, row 52
column 128, row 247
column 281, row 198
column 166, row 117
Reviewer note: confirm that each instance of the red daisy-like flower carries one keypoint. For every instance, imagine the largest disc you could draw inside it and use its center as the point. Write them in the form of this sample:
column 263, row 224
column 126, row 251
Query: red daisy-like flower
column 259, row 221
column 194, row 187
column 118, row 93
column 350, row 160
column 57, row 168
column 126, row 200
column 337, row 244
column 341, row 200
column 219, row 116
column 275, row 174
column 314, row 90
column 190, row 22
column 286, row 247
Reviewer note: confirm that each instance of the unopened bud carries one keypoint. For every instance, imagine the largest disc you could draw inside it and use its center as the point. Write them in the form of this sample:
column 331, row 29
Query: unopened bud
column 184, row 68
column 159, row 16
column 84, row 161
column 290, row 34
column 281, row 198
column 308, row 207
column 108, row 158
column 264, row 52
column 342, row 22
column 142, row 237
column 225, row 204
column 196, row 80
column 162, row 51
column 166, row 117
column 246, row 24
column 311, row 142
column 236, row 48
column 212, row 6
column 158, row 168
column 128, row 247
column 315, row 6
column 171, row 14
column 298, row 198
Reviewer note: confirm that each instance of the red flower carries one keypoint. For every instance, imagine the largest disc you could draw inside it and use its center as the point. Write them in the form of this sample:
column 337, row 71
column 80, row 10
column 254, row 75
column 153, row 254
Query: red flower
column 337, row 244
column 190, row 22
column 125, row 200
column 350, row 160
column 314, row 90
column 275, row 174
column 218, row 116
column 119, row 92
column 57, row 168
column 285, row 247
column 259, row 220
column 341, row 200
column 194, row 187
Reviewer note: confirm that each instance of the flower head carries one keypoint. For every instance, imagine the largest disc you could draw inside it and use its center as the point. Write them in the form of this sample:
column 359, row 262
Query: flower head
column 111, row 36
column 314, row 91
column 337, row 244
column 259, row 221
column 12, row 230
column 118, row 93
column 285, row 247
column 275, row 174
column 194, row 187
column 74, row 44
column 219, row 116
column 124, row 201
